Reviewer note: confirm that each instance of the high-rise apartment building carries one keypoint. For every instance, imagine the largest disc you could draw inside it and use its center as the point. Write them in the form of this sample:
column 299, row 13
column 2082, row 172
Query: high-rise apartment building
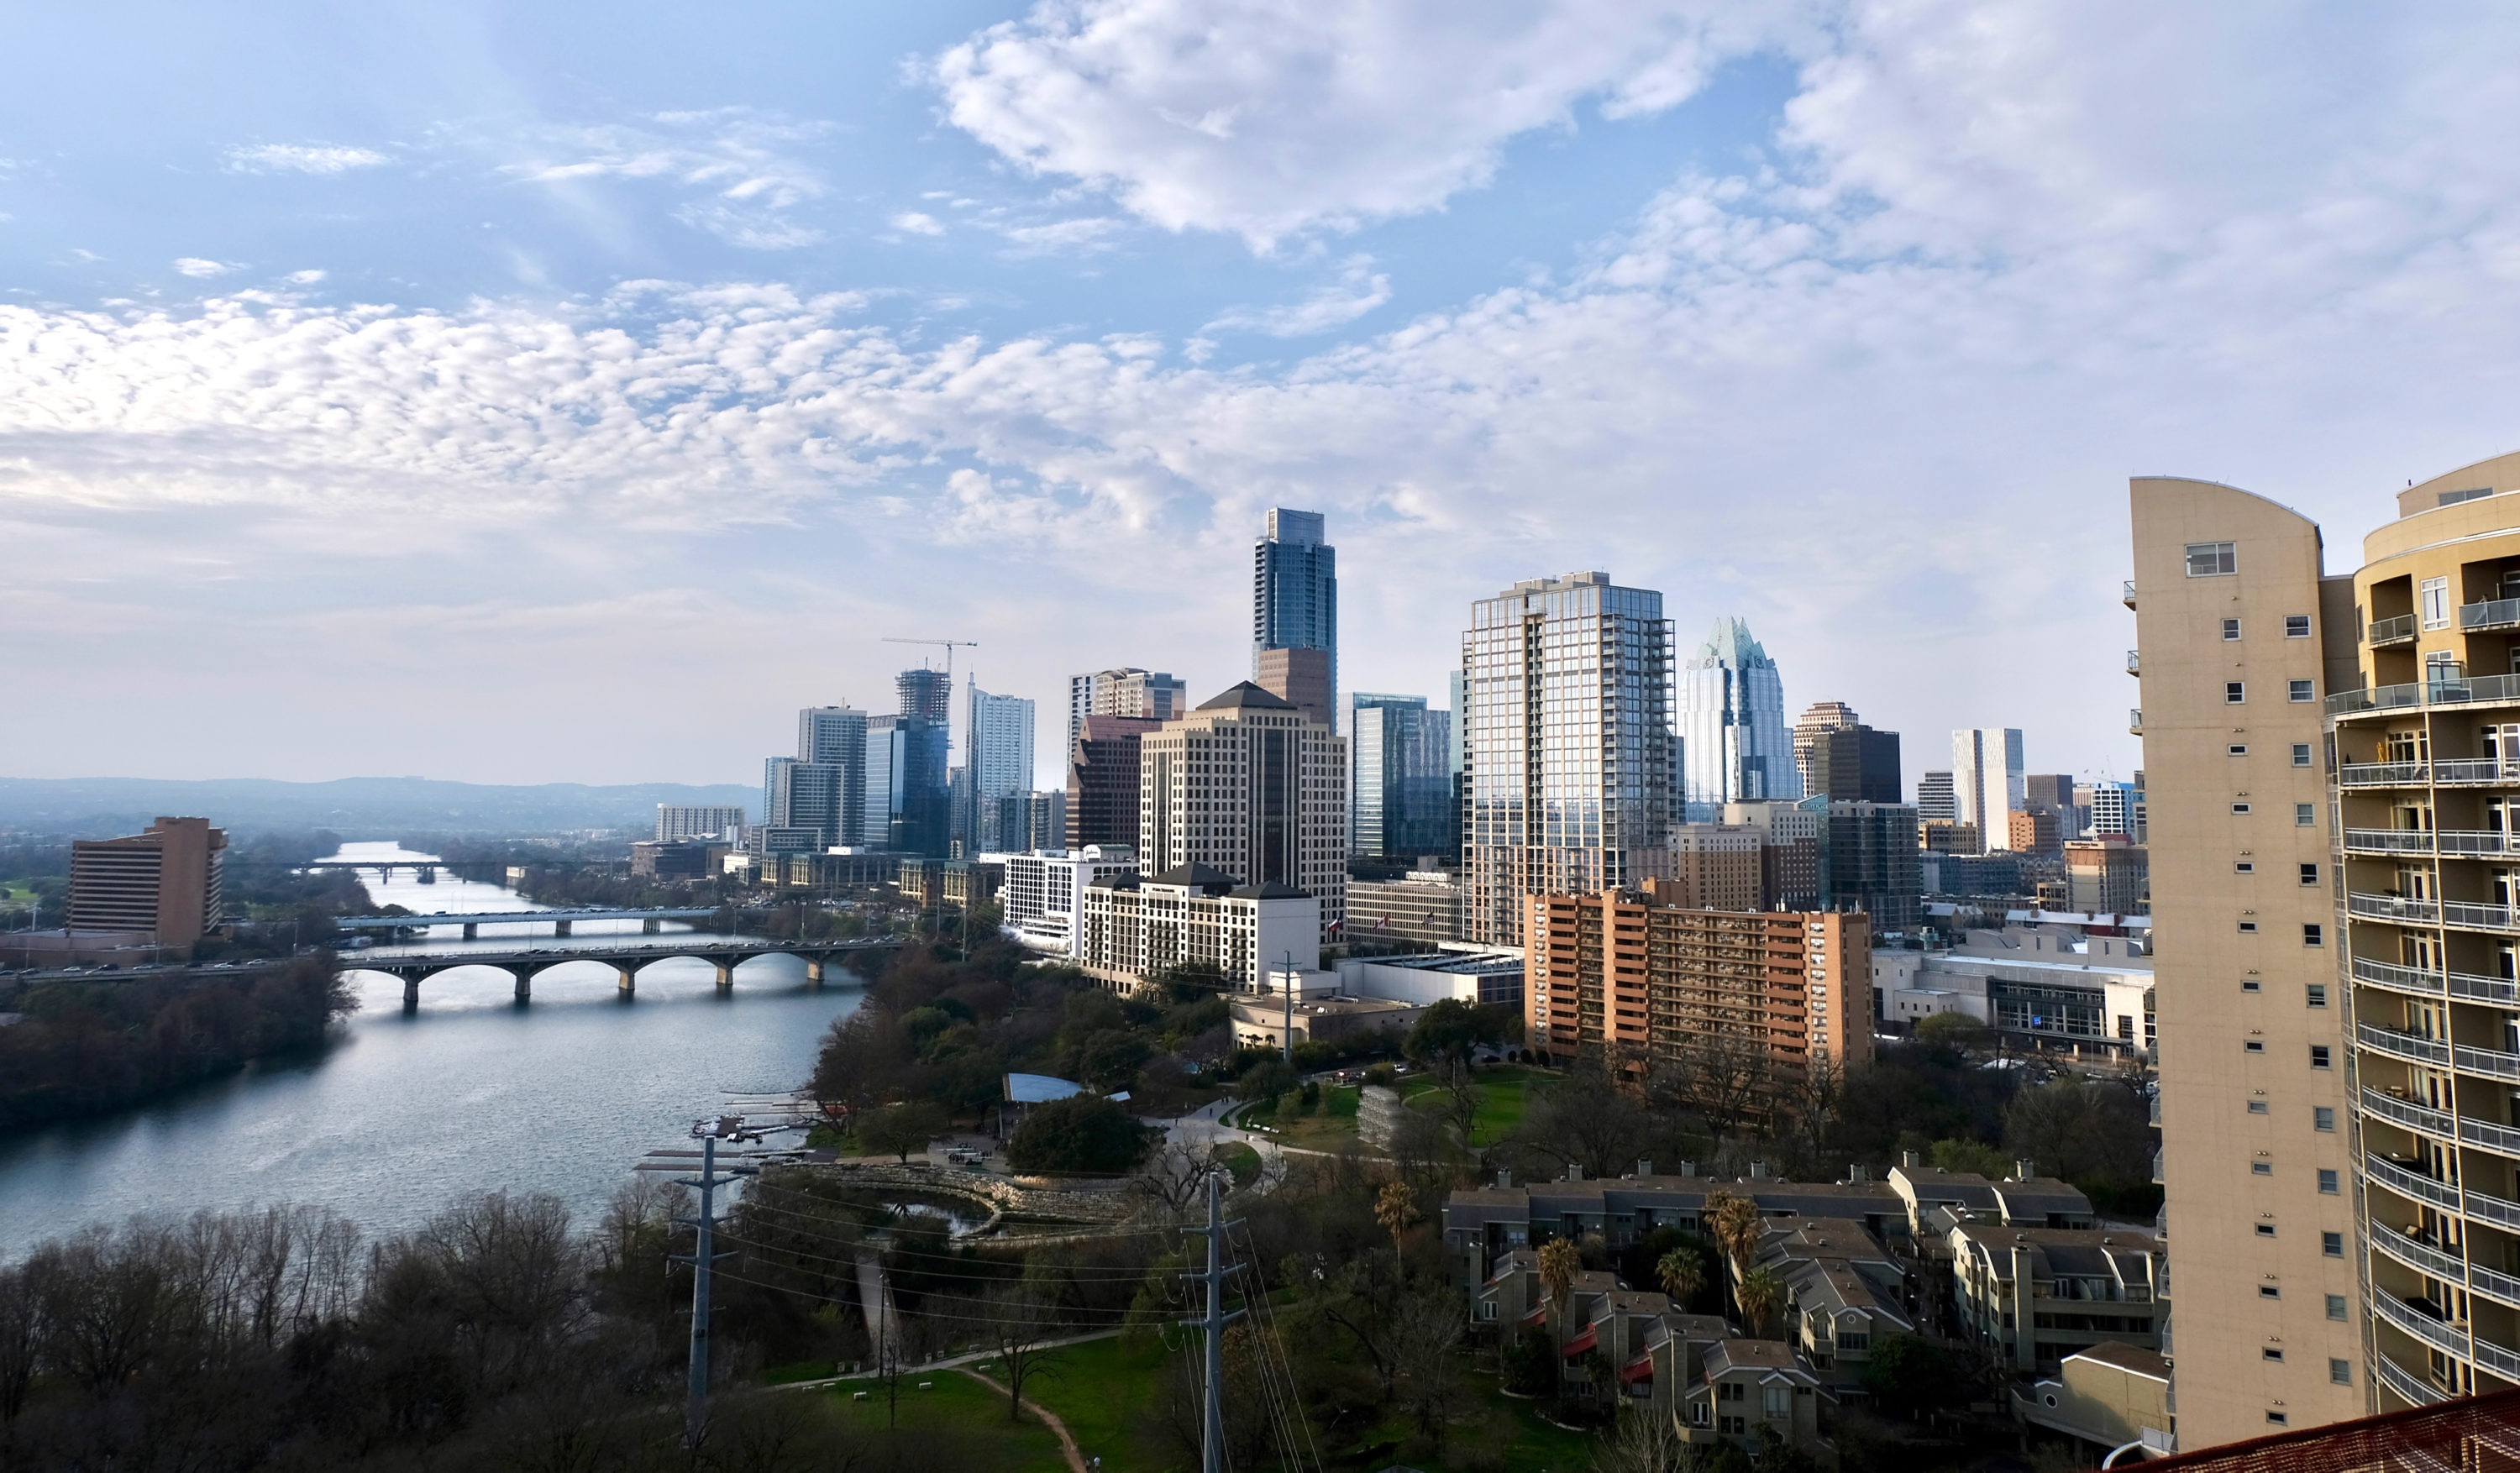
column 831, row 734
column 812, row 800
column 1734, row 737
column 684, row 821
column 1716, row 866
column 1868, row 862
column 2115, row 808
column 1244, row 785
column 997, row 750
column 2241, row 633
column 1937, row 799
column 2107, row 876
column 1144, row 695
column 1295, row 594
column 1988, row 782
column 1102, row 780
column 1790, row 861
column 1567, row 780
column 167, row 881
column 1400, row 783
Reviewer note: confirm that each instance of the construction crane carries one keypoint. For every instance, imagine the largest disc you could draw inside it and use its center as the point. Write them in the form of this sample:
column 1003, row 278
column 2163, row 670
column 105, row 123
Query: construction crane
column 950, row 647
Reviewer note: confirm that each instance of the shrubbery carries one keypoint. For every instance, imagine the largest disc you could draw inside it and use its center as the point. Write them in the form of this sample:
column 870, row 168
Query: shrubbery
column 1082, row 1134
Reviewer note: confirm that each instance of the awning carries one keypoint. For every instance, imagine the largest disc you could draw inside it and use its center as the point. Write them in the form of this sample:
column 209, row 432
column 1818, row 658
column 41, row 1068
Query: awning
column 1639, row 1370
column 1538, row 1315
column 1584, row 1342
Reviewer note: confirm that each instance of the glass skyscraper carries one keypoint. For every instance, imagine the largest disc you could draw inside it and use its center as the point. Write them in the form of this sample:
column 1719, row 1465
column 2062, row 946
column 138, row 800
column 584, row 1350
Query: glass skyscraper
column 1400, row 788
column 1294, row 591
column 1736, row 742
column 997, row 750
column 1570, row 765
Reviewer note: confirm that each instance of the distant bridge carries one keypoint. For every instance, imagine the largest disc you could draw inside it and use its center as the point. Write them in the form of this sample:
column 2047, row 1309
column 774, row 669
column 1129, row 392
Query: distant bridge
column 473, row 921
column 722, row 951
column 385, row 868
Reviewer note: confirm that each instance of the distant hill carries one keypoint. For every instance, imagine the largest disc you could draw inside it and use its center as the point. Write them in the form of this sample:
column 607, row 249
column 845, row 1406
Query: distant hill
column 376, row 808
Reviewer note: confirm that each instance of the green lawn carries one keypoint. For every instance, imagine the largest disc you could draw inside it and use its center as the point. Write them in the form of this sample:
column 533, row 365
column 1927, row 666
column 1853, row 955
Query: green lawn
column 958, row 1413
column 1104, row 1391
column 1504, row 1096
column 1330, row 1126
column 1239, row 1159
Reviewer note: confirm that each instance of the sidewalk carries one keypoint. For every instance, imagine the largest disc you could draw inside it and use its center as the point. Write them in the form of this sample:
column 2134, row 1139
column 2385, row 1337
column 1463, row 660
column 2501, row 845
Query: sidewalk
column 949, row 1362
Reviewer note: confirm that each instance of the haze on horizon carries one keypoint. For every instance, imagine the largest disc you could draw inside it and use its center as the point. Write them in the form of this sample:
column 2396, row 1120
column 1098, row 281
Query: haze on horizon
column 567, row 392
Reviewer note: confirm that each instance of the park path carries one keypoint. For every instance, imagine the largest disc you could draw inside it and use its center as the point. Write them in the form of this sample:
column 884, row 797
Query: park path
column 1050, row 1418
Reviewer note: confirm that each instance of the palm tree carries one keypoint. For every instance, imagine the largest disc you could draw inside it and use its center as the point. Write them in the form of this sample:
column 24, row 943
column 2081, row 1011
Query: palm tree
column 1396, row 1210
column 1558, row 1265
column 1683, row 1273
column 1762, row 1293
column 1734, row 1222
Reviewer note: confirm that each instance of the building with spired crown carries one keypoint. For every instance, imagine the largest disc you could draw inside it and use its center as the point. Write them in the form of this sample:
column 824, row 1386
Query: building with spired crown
column 1736, row 745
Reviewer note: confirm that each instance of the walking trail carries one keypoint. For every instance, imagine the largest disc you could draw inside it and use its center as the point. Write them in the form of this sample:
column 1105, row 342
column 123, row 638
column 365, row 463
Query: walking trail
column 1050, row 1418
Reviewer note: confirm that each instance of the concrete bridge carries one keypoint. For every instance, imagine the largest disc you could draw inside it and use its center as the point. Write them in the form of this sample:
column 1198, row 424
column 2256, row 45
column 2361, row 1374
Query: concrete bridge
column 385, row 868
column 724, row 953
column 650, row 921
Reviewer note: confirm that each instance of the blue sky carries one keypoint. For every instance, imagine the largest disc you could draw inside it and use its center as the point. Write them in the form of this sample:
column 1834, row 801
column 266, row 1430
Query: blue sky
column 601, row 383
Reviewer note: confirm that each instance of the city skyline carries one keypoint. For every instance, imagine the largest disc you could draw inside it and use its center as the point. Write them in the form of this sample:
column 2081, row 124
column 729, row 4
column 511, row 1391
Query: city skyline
column 892, row 313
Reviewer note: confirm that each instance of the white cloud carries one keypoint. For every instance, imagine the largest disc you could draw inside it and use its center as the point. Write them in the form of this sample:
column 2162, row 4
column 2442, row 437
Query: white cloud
column 1359, row 290
column 742, row 160
column 305, row 277
column 1268, row 118
column 193, row 265
column 303, row 159
column 918, row 224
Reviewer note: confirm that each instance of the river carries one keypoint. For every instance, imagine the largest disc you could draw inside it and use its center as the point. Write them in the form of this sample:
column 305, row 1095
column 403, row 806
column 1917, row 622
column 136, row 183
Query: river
column 406, row 1112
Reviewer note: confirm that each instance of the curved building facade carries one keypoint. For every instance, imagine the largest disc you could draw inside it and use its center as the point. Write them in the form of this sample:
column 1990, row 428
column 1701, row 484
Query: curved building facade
column 1736, row 745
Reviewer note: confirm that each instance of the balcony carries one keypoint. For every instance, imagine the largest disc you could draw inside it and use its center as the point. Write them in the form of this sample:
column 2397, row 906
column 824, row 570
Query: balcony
column 2408, row 1114
column 2416, row 1254
column 2499, row 1139
column 2491, row 1062
column 2471, row 772
column 2407, row 1384
column 2494, row 613
column 2457, row 842
column 2484, row 1209
column 2482, row 690
column 2128, row 594
column 2384, row 633
column 2383, row 774
column 2468, row 987
column 2469, row 915
column 2389, row 840
column 2424, row 1323
column 2135, row 722
column 2413, row 1048
column 2393, row 908
column 2397, row 978
column 2374, row 698
column 2134, row 662
column 2409, row 1183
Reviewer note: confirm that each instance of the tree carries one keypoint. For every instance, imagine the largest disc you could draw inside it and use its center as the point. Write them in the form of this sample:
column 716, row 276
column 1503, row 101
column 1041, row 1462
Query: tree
column 1973, row 1156
column 1733, row 1223
column 1588, row 1121
column 898, row 1129
column 2082, row 1130
column 1958, row 1032
column 1019, row 1328
column 1110, row 1060
column 1642, row 1443
column 1683, row 1273
column 1266, row 1080
column 1559, row 1265
column 1911, row 1372
column 1396, row 1210
column 1762, row 1294
column 1083, row 1133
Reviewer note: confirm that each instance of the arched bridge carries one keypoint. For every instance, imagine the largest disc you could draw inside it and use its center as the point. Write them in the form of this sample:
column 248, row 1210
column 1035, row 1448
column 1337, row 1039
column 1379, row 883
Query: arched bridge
column 725, row 953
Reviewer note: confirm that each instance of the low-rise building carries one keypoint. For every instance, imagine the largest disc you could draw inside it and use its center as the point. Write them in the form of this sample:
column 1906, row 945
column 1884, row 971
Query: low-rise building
column 1749, row 1387
column 1261, row 1022
column 678, row 859
column 1045, row 892
column 1418, row 913
column 1845, row 1292
column 2105, row 1397
column 2035, row 1295
column 2063, row 979
column 1465, row 975
column 1138, row 927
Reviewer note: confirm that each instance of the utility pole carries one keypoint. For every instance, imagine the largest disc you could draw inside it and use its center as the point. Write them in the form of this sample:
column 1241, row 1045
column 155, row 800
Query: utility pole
column 1211, row 1442
column 1290, row 1010
column 703, row 1258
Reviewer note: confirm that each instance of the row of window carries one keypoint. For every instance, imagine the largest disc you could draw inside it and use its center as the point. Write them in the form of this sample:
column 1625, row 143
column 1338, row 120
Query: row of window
column 2311, row 933
column 2321, row 1056
column 2304, row 815
column 2296, row 627
column 2321, row 1118
column 2236, row 692
column 2300, row 753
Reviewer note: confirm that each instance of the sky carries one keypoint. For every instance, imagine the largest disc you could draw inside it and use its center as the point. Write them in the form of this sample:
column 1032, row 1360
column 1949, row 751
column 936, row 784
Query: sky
column 569, row 392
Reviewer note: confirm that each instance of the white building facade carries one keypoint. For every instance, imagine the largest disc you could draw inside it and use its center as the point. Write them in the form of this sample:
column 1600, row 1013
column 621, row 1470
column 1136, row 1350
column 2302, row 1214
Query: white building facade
column 1045, row 893
column 1988, row 780
column 1136, row 929
column 1247, row 787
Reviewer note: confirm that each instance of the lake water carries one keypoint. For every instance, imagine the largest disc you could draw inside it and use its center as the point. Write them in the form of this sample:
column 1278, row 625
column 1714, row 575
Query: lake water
column 407, row 1111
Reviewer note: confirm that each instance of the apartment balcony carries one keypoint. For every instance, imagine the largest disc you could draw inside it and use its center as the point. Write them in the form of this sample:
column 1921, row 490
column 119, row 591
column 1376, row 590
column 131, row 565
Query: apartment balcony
column 2474, row 771
column 2467, row 987
column 2393, row 908
column 2134, row 662
column 2408, row 1114
column 2384, row 775
column 2493, row 1063
column 2470, row 917
column 2129, row 593
column 2482, row 690
column 2135, row 722
column 2501, row 1140
column 2412, row 1048
column 2416, row 1254
column 2494, row 613
column 2409, row 1182
column 2389, row 840
column 2380, row 633
column 2374, row 698
column 2469, row 842
column 2423, row 1321
column 2492, row 1210
column 2407, row 1384
column 2398, row 978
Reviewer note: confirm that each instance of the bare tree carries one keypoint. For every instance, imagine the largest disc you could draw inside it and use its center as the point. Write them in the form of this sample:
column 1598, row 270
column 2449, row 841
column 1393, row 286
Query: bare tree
column 1642, row 1443
column 1019, row 1328
column 22, row 1335
column 1172, row 1180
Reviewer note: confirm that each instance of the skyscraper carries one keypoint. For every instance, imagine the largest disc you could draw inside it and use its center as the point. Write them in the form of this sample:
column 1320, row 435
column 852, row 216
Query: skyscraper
column 1103, row 794
column 1733, row 736
column 997, row 749
column 817, row 798
column 927, row 694
column 1246, row 785
column 1294, row 593
column 1987, row 782
column 1818, row 717
column 1837, row 756
column 1567, row 785
column 1400, row 783
column 1125, row 691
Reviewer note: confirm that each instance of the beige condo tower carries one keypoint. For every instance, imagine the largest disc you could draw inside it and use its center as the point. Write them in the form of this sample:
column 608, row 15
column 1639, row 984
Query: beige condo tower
column 2334, row 770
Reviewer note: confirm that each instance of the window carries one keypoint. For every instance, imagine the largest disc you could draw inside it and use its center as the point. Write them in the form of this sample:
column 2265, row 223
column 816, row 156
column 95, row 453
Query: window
column 2313, row 934
column 2305, row 816
column 2319, row 1055
column 2248, row 984
column 2239, row 808
column 2298, row 691
column 2262, row 1169
column 2270, row 1352
column 2340, row 1371
column 2436, row 603
column 2328, row 1188
column 2235, row 693
column 2269, row 1291
column 2266, row 1229
column 2301, row 754
column 2239, row 750
column 2254, row 1045
column 2231, row 629
column 2257, row 1108
column 2336, row 1307
column 2244, row 866
column 2248, row 929
column 2211, row 560
column 2310, row 874
column 2296, row 626
column 2277, row 1419
column 2314, row 993
column 1777, row 1402
column 2331, row 1244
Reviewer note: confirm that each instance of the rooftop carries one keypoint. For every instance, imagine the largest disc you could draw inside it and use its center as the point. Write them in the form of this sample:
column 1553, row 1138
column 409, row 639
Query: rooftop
column 1246, row 695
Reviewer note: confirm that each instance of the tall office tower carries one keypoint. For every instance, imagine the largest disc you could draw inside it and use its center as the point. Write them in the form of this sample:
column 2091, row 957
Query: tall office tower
column 907, row 802
column 814, row 804
column 1399, row 787
column 1837, row 756
column 2239, row 633
column 682, row 821
column 1102, row 780
column 831, row 734
column 1125, row 691
column 1299, row 677
column 1987, row 780
column 1734, row 741
column 1818, row 717
column 1246, row 785
column 1567, row 781
column 1294, row 595
column 1937, row 799
column 1868, row 862
column 166, row 880
column 997, row 747
column 2113, row 809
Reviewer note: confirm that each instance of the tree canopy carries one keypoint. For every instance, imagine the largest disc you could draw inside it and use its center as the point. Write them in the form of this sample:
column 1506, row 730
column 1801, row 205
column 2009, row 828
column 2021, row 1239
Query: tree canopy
column 1084, row 1133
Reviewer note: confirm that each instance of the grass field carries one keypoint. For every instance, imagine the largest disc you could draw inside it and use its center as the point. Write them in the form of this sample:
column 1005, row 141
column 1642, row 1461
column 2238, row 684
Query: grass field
column 962, row 1422
column 1242, row 1160
column 1331, row 1126
column 1103, row 1391
column 1505, row 1097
